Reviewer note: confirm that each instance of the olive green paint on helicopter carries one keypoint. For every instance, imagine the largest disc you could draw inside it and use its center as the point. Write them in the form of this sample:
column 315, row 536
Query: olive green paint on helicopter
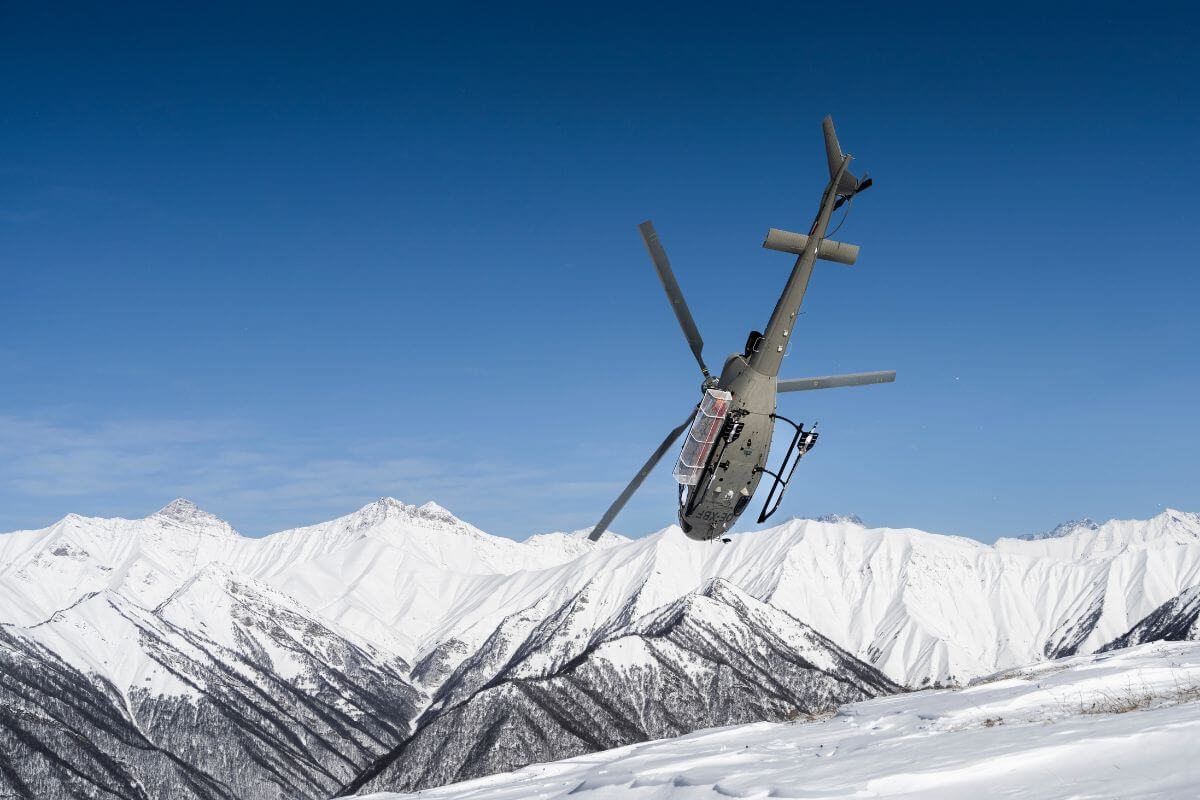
column 737, row 461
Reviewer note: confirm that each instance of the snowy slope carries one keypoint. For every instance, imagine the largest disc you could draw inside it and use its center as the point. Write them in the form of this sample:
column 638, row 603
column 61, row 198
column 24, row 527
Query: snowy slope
column 382, row 573
column 416, row 583
column 230, row 680
column 1117, row 725
column 47, row 570
column 713, row 656
column 401, row 627
column 924, row 608
column 1178, row 619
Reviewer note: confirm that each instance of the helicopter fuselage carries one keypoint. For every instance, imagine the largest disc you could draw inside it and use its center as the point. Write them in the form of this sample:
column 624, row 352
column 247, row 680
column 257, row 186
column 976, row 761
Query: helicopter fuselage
column 734, row 468
column 724, row 455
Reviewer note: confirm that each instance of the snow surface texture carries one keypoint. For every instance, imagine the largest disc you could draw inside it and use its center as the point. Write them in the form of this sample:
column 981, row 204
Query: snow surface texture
column 1117, row 725
column 924, row 608
column 385, row 649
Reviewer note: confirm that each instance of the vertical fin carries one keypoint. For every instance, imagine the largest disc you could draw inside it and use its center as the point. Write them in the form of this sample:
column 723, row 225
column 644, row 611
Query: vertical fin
column 833, row 150
column 848, row 185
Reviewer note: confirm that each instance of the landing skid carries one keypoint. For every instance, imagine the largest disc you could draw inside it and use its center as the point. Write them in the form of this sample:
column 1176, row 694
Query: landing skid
column 802, row 442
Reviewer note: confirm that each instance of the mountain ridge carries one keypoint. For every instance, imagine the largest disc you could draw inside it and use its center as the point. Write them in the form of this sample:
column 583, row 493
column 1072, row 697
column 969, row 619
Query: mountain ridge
column 402, row 626
column 345, row 570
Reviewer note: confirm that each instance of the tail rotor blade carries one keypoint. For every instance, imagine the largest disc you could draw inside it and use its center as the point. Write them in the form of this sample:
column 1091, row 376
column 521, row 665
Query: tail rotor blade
column 674, row 294
column 620, row 502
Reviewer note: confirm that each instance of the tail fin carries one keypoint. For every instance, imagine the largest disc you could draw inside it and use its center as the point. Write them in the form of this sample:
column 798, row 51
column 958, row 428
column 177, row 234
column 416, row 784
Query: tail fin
column 848, row 185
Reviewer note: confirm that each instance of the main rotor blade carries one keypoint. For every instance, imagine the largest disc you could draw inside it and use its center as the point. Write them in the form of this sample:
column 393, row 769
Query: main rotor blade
column 620, row 502
column 834, row 381
column 674, row 294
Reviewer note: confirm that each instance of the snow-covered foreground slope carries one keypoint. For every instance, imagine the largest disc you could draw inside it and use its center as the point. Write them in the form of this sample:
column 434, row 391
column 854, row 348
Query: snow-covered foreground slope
column 1122, row 724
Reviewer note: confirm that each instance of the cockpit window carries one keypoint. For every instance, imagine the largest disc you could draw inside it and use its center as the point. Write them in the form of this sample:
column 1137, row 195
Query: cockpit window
column 699, row 442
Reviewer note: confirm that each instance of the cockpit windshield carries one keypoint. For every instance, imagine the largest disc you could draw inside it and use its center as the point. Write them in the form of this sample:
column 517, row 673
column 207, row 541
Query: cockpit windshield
column 706, row 426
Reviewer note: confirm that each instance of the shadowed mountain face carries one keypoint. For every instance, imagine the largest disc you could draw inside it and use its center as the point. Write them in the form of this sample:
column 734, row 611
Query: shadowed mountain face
column 399, row 647
column 715, row 657
column 1178, row 619
column 66, row 734
column 290, row 711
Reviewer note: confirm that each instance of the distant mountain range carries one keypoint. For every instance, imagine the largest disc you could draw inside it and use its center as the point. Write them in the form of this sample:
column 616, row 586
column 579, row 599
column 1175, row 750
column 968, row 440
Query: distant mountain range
column 399, row 647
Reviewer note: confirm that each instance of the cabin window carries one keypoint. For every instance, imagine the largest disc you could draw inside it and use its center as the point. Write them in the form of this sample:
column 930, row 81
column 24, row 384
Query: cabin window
column 706, row 426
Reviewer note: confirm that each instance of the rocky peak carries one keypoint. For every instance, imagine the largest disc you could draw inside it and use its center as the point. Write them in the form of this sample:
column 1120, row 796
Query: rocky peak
column 378, row 510
column 723, row 590
column 432, row 511
column 184, row 513
column 839, row 519
column 430, row 515
column 1188, row 518
column 1062, row 529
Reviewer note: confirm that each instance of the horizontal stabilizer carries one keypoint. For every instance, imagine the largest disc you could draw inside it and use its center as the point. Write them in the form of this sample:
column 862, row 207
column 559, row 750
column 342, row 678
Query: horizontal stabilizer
column 829, row 250
column 834, row 381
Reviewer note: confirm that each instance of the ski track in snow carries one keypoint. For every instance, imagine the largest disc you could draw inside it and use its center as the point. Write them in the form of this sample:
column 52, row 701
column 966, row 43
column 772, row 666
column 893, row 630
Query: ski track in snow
column 1122, row 724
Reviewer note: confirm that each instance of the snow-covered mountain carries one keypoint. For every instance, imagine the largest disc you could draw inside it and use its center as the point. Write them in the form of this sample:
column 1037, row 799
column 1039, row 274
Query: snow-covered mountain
column 1062, row 529
column 173, row 644
column 1176, row 620
column 1123, row 725
column 224, row 690
column 382, row 648
column 715, row 656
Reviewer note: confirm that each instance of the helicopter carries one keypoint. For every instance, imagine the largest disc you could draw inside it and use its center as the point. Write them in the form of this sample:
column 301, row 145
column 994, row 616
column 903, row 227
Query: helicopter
column 724, row 457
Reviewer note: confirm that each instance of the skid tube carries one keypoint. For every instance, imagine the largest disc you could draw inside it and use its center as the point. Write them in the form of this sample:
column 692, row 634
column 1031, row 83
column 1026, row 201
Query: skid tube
column 802, row 442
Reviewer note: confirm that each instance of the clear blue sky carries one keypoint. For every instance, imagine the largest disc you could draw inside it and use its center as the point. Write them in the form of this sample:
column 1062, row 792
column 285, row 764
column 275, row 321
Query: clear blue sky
column 287, row 260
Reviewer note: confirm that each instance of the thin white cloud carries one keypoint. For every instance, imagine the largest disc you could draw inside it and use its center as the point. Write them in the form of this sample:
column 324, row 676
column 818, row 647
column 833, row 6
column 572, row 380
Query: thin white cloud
column 48, row 469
